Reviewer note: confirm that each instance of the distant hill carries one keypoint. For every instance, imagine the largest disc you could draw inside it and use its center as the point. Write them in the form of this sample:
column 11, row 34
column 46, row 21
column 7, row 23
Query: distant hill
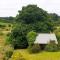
column 6, row 19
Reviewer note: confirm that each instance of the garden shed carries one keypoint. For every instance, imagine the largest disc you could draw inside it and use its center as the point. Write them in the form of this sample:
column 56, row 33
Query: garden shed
column 45, row 38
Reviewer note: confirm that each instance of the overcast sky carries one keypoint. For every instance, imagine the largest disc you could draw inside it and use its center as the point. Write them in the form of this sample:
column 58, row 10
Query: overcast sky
column 11, row 7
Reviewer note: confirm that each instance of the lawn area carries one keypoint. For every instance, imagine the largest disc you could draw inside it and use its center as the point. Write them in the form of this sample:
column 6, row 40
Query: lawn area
column 38, row 56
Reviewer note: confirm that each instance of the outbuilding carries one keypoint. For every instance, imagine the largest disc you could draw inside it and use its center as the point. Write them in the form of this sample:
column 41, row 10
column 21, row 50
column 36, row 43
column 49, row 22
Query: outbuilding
column 45, row 38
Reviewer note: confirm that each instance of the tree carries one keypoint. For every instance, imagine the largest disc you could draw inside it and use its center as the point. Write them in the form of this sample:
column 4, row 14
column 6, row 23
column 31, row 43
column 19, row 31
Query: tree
column 54, row 16
column 36, row 18
column 55, row 19
column 18, row 37
column 43, row 27
column 31, row 14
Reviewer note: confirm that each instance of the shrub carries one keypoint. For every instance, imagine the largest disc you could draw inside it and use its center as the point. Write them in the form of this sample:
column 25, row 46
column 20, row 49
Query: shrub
column 8, row 52
column 17, row 56
column 7, row 29
column 51, row 47
column 34, row 49
column 18, row 37
column 57, row 32
column 31, row 36
column 8, row 34
column 9, row 25
column 7, row 41
column 58, row 45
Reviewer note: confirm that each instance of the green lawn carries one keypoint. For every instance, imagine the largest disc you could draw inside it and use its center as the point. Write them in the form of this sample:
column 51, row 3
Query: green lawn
column 39, row 56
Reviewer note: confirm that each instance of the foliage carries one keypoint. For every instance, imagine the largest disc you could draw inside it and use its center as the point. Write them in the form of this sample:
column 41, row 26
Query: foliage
column 31, row 36
column 52, row 47
column 57, row 32
column 8, row 52
column 35, row 18
column 17, row 56
column 18, row 37
column 47, row 27
column 9, row 25
column 31, row 14
column 58, row 45
column 2, row 26
column 7, row 19
column 54, row 17
column 8, row 55
column 34, row 49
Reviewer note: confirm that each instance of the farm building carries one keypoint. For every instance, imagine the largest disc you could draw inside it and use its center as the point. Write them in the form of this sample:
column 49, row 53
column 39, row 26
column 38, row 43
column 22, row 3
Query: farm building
column 45, row 38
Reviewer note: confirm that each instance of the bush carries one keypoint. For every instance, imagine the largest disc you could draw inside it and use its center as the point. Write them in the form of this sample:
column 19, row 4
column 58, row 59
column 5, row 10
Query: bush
column 9, row 25
column 57, row 32
column 58, row 45
column 17, row 56
column 8, row 52
column 51, row 47
column 31, row 36
column 34, row 49
column 18, row 37
column 8, row 34
column 7, row 29
column 7, row 41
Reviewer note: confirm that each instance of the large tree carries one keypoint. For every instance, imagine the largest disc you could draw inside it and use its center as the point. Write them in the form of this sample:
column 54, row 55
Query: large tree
column 31, row 14
column 36, row 18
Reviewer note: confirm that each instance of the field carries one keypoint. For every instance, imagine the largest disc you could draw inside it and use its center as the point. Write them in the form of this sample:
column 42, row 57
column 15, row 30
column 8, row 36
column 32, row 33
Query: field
column 17, row 54
column 3, row 35
column 24, row 52
column 39, row 56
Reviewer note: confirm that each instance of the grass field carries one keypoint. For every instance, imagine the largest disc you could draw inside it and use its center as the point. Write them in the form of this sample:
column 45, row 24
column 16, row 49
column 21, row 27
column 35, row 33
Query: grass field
column 3, row 34
column 38, row 56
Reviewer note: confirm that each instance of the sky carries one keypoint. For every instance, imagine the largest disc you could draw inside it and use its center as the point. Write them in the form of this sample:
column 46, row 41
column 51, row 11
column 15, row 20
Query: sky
column 11, row 7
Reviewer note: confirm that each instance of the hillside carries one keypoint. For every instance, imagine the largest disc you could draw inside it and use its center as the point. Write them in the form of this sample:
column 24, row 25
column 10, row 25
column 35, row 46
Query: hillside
column 3, row 35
